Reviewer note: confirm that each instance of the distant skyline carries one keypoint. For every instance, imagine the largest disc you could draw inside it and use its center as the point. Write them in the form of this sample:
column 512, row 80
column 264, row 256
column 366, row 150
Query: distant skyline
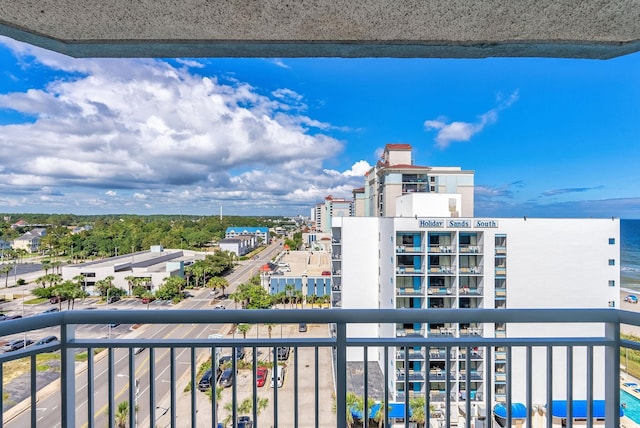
column 545, row 137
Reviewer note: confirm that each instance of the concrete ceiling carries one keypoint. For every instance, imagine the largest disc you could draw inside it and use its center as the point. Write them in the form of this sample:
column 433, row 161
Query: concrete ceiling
column 326, row 28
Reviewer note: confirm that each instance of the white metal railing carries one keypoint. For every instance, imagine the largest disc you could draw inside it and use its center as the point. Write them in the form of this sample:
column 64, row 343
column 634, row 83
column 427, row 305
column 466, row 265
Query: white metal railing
column 120, row 362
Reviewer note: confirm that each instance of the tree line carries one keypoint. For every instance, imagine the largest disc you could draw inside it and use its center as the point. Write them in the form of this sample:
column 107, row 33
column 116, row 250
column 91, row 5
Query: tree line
column 108, row 235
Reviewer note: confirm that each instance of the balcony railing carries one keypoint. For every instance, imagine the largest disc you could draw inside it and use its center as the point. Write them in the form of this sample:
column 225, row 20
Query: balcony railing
column 160, row 380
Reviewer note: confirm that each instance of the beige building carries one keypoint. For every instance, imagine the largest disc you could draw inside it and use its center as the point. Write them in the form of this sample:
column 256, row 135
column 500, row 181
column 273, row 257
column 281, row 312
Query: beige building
column 30, row 241
column 395, row 175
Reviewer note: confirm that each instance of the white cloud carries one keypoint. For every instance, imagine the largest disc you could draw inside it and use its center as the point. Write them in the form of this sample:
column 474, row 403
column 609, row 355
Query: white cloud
column 162, row 134
column 449, row 132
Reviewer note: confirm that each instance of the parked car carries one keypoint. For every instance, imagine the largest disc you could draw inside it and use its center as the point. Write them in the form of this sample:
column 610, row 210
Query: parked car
column 13, row 317
column 46, row 340
column 56, row 299
column 245, row 422
column 113, row 299
column 226, row 378
column 219, row 307
column 205, row 380
column 48, row 311
column 226, row 358
column 16, row 344
column 302, row 327
column 283, row 353
column 261, row 376
column 147, row 300
column 631, row 298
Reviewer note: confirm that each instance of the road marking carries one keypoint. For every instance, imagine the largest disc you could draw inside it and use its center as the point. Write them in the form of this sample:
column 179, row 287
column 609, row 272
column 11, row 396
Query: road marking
column 142, row 369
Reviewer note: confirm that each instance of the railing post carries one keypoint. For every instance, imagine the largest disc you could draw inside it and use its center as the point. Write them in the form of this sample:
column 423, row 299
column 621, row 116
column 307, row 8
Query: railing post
column 612, row 375
column 68, row 375
column 341, row 375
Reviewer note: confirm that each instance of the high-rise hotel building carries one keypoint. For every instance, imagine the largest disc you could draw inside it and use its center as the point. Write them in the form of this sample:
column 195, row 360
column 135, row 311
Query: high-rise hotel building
column 422, row 249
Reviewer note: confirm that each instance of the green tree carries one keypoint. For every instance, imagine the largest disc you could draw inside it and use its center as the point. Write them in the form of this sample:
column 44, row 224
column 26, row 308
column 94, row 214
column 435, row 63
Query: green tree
column 171, row 289
column 270, row 326
column 218, row 282
column 378, row 416
column 122, row 414
column 418, row 415
column 245, row 408
column 243, row 329
column 289, row 290
column 46, row 265
column 354, row 403
column 4, row 270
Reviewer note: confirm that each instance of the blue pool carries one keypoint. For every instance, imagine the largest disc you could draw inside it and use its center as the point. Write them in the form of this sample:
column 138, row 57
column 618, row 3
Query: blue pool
column 632, row 411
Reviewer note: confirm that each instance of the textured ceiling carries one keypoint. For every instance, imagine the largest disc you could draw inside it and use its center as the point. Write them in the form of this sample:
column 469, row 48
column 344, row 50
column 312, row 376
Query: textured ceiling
column 314, row 28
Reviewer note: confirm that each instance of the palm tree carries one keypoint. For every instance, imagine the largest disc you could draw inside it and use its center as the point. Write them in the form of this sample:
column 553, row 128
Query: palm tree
column 378, row 416
column 244, row 328
column 354, row 403
column 289, row 289
column 122, row 414
column 218, row 282
column 245, row 408
column 46, row 265
column 418, row 414
column 269, row 328
column 130, row 281
column 4, row 270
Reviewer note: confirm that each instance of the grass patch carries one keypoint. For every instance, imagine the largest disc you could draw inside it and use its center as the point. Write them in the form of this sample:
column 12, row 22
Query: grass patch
column 630, row 357
column 36, row 301
column 16, row 368
column 84, row 356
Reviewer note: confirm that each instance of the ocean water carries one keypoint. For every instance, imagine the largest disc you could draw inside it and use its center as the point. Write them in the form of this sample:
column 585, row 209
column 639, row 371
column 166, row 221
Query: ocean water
column 630, row 254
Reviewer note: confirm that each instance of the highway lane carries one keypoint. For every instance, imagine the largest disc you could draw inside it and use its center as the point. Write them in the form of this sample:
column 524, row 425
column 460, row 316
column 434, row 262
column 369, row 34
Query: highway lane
column 49, row 407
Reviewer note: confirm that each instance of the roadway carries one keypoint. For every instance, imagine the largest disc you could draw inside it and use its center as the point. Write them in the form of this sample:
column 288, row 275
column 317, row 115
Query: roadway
column 49, row 399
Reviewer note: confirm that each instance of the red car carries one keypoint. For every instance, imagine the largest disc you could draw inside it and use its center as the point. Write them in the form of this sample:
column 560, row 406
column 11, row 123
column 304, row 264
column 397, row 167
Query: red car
column 326, row 273
column 261, row 376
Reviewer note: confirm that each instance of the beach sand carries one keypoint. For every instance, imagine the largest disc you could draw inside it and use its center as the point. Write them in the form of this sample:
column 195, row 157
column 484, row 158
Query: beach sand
column 635, row 307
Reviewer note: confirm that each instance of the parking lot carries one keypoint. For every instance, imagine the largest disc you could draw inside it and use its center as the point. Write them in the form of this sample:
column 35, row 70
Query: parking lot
column 306, row 386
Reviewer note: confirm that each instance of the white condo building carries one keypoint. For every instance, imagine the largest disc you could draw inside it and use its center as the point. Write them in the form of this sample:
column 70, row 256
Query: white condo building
column 426, row 257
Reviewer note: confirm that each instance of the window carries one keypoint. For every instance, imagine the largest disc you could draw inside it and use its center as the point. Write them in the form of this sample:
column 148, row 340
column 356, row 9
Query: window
column 612, row 262
column 612, row 283
column 612, row 241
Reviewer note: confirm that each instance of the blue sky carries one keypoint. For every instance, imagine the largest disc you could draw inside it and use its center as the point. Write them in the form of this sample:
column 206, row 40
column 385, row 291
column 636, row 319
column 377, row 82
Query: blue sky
column 545, row 137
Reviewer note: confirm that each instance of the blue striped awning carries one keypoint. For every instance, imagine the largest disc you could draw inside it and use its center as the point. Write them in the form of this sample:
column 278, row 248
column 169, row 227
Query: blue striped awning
column 518, row 410
column 396, row 410
column 559, row 409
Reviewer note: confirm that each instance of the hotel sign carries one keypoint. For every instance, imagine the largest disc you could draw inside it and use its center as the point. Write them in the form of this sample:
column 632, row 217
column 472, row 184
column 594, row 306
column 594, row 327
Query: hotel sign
column 458, row 223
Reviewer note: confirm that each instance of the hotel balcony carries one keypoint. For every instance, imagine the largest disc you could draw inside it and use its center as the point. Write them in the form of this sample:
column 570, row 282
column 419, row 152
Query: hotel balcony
column 408, row 270
column 174, row 343
column 446, row 269
column 409, row 291
column 413, row 375
column 476, row 354
column 437, row 354
column 473, row 375
column 402, row 249
column 473, row 249
column 470, row 270
column 413, row 354
column 440, row 291
column 440, row 248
